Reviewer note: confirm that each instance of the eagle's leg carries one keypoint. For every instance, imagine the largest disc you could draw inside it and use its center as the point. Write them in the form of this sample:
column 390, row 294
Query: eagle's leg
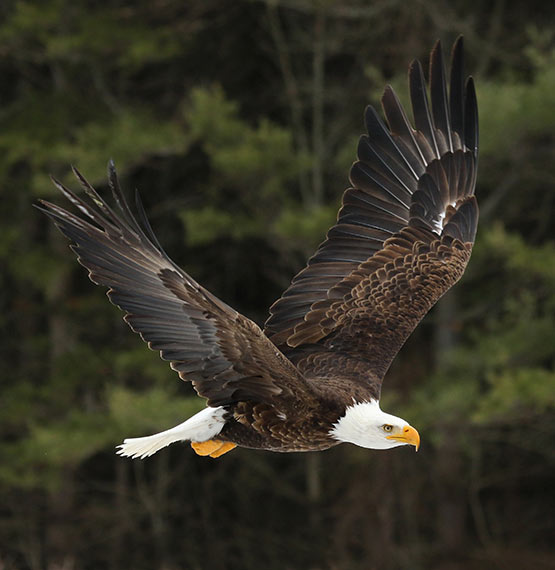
column 212, row 447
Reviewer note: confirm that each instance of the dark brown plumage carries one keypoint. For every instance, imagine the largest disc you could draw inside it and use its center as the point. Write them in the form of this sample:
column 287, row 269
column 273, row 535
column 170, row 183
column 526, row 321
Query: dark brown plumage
column 403, row 237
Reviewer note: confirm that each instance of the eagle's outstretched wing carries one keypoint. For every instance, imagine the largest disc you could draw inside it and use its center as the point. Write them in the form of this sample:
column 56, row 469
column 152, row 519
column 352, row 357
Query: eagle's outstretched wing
column 224, row 354
column 403, row 236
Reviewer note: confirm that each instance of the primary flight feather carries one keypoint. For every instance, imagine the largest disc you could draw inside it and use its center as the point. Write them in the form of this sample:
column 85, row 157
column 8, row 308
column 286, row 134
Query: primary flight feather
column 312, row 377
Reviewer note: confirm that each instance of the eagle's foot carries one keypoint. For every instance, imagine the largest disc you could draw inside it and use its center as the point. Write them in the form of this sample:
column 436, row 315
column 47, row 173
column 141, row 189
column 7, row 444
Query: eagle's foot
column 212, row 447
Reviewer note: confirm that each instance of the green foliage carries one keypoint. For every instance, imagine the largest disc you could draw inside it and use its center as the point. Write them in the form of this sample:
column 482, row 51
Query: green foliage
column 258, row 164
column 105, row 31
column 530, row 263
column 206, row 224
column 260, row 160
column 213, row 119
column 153, row 410
column 306, row 226
column 67, row 442
column 130, row 136
column 67, row 138
column 35, row 267
column 511, row 111
column 74, row 110
column 517, row 392
column 137, row 363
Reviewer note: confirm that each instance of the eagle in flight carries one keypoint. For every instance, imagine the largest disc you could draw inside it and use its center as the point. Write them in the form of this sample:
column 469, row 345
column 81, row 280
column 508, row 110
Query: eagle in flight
column 311, row 378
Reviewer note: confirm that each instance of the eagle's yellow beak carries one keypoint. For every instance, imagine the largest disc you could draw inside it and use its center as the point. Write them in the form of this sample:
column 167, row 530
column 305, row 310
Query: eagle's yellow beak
column 407, row 435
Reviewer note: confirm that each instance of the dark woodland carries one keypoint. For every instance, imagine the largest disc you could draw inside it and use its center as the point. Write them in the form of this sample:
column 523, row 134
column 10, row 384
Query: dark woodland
column 238, row 123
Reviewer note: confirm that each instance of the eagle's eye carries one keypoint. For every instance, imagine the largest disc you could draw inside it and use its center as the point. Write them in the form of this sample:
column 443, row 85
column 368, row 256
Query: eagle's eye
column 387, row 427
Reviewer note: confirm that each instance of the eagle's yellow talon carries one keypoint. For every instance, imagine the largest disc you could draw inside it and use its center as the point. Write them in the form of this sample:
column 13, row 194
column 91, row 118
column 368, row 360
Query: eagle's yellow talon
column 223, row 449
column 206, row 447
column 212, row 447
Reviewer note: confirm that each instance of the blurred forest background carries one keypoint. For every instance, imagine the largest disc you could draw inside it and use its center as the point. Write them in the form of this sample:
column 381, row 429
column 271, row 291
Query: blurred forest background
column 238, row 122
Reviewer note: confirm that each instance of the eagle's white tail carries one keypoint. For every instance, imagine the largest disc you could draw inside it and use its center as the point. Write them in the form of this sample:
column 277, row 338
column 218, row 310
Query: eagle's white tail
column 201, row 427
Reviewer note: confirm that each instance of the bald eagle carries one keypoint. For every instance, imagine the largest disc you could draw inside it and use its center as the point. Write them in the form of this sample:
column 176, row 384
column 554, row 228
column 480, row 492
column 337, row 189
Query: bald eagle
column 311, row 378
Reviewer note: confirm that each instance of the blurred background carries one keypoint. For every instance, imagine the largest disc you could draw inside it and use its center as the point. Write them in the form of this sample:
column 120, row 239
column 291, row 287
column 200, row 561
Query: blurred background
column 238, row 122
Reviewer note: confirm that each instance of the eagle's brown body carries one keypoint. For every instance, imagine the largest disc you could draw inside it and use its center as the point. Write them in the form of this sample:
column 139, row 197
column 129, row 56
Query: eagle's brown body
column 258, row 426
column 403, row 237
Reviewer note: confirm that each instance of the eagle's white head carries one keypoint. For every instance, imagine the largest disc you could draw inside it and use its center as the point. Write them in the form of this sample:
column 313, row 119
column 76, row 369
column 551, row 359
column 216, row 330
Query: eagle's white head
column 365, row 424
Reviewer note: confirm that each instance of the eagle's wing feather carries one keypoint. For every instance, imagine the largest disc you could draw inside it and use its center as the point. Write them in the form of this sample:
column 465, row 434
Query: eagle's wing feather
column 403, row 235
column 224, row 354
